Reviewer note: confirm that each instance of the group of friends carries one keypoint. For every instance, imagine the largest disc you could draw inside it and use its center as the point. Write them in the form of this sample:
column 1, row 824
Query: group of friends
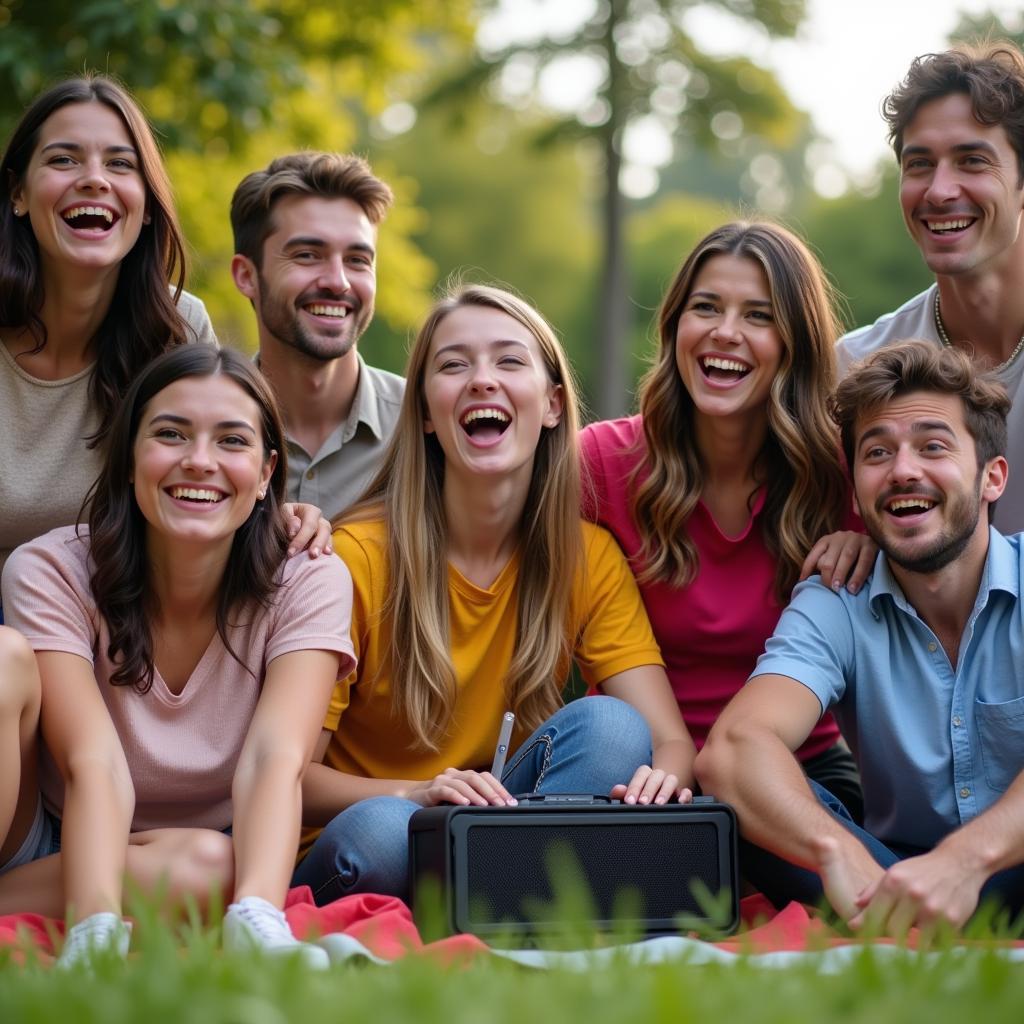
column 786, row 581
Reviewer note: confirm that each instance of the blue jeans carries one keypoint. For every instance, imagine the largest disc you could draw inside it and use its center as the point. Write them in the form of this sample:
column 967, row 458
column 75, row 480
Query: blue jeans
column 781, row 881
column 588, row 746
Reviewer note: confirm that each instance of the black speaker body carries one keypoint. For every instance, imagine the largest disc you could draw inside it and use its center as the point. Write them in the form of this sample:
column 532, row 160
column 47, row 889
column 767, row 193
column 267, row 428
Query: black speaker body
column 493, row 864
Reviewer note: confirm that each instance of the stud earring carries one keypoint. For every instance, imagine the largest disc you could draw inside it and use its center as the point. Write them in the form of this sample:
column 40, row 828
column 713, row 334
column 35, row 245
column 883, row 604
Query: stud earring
column 17, row 212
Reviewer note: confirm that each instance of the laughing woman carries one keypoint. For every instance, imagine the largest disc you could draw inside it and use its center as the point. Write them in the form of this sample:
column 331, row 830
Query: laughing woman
column 186, row 664
column 475, row 583
column 723, row 484
column 92, row 267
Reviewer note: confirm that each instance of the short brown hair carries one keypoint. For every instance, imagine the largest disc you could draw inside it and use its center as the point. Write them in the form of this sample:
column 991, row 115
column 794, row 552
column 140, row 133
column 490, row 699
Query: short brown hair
column 326, row 175
column 910, row 366
column 991, row 76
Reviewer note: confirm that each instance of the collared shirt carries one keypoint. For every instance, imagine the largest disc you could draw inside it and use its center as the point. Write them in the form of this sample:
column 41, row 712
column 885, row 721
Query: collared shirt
column 936, row 744
column 338, row 473
column 916, row 319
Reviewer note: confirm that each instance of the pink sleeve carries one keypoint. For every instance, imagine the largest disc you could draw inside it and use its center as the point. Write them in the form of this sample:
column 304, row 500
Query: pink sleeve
column 46, row 594
column 313, row 610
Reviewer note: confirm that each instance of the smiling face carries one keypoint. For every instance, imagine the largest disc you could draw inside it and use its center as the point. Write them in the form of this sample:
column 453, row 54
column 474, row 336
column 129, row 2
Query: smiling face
column 83, row 190
column 917, row 483
column 960, row 189
column 199, row 461
column 488, row 393
column 728, row 347
column 315, row 289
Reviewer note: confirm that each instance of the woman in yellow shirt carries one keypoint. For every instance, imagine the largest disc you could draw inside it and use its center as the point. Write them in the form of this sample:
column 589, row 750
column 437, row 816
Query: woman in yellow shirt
column 475, row 583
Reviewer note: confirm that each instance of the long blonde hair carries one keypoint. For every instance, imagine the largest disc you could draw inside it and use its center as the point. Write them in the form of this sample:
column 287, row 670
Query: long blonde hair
column 407, row 492
column 799, row 463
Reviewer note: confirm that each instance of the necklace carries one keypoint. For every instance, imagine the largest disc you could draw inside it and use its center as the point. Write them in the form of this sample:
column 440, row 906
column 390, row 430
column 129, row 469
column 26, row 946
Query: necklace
column 944, row 338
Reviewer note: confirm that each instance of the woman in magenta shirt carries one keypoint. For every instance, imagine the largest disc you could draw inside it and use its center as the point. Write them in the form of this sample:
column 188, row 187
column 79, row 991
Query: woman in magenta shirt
column 723, row 484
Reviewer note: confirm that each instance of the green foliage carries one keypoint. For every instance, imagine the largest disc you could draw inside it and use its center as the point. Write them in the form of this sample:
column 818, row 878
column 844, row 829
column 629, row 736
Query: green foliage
column 168, row 983
column 869, row 255
column 974, row 27
column 232, row 83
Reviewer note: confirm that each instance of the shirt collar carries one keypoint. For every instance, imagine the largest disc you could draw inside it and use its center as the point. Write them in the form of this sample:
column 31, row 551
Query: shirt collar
column 1000, row 573
column 365, row 406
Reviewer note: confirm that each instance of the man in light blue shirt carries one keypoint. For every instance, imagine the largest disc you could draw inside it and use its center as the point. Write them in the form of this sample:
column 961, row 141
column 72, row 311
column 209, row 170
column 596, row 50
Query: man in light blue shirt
column 923, row 668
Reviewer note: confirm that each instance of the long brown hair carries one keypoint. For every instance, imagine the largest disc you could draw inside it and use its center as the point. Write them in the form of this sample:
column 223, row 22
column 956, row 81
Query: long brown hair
column 799, row 463
column 143, row 318
column 408, row 492
column 117, row 530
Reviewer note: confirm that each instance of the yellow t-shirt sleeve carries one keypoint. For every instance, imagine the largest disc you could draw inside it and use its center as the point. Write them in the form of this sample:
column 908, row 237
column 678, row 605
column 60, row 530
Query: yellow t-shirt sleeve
column 352, row 553
column 614, row 633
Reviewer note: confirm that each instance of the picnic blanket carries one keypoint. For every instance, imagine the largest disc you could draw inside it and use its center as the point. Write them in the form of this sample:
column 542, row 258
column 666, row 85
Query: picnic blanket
column 381, row 929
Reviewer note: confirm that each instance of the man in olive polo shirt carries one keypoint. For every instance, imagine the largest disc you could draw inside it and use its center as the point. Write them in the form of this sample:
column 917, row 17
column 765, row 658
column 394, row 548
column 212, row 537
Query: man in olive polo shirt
column 305, row 232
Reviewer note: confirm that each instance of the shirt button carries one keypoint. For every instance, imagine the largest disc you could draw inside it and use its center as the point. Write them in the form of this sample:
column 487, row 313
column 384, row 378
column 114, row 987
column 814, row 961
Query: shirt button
column 932, row 646
column 957, row 721
column 310, row 473
column 965, row 792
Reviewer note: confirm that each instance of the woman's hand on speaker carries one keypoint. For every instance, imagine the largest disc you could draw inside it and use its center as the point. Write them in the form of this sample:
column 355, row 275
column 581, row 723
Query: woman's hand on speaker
column 464, row 787
column 651, row 786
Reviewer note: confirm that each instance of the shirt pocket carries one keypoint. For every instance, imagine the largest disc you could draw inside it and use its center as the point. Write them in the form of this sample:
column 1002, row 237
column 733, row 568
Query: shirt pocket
column 1001, row 728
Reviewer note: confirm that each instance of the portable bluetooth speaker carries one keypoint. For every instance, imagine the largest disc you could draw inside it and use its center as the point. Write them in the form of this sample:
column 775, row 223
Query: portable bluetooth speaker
column 493, row 864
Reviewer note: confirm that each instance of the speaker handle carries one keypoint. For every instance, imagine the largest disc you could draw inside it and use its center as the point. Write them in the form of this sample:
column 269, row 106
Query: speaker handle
column 562, row 799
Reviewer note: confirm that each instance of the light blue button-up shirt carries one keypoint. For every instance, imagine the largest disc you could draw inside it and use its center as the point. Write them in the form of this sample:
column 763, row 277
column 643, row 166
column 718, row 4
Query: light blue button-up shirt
column 936, row 745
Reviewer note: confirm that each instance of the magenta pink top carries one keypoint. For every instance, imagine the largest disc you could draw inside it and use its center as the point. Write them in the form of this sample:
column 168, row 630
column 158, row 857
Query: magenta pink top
column 712, row 631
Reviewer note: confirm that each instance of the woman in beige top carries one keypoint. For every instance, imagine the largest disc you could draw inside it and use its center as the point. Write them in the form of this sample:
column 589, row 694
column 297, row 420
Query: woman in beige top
column 185, row 664
column 92, row 269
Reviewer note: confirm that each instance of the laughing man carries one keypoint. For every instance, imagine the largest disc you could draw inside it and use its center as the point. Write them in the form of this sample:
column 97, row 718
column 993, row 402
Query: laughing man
column 956, row 124
column 923, row 668
column 305, row 256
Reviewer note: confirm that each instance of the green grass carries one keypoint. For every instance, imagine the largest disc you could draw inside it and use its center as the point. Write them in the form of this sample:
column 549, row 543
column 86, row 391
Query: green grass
column 186, row 980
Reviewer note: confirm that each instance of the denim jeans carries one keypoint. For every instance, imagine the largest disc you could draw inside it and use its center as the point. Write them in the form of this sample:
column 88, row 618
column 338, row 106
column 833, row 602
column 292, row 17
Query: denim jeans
column 781, row 881
column 586, row 747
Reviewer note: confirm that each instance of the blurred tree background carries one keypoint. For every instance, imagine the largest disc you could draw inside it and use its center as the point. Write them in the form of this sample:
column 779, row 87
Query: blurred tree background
column 585, row 205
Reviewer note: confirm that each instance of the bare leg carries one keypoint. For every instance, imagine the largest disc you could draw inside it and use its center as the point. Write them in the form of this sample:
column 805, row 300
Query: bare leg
column 177, row 863
column 19, row 744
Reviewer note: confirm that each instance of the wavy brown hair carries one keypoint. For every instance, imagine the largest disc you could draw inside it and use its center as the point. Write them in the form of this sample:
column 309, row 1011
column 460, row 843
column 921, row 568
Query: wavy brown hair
column 120, row 580
column 408, row 493
column 143, row 317
column 990, row 76
column 799, row 463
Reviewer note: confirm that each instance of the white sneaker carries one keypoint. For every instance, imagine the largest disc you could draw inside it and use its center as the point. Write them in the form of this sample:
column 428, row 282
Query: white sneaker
column 253, row 923
column 97, row 935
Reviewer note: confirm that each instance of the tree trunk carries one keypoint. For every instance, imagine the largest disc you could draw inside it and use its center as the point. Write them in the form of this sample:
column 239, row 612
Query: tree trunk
column 612, row 397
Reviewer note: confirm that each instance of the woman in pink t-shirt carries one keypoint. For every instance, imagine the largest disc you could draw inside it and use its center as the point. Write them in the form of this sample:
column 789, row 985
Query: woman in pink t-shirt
column 185, row 664
column 731, row 473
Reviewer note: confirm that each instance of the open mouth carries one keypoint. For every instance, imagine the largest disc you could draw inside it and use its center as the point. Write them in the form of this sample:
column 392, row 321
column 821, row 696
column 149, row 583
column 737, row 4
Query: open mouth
column 329, row 309
column 723, row 370
column 901, row 508
column 949, row 226
column 485, row 424
column 90, row 218
column 196, row 495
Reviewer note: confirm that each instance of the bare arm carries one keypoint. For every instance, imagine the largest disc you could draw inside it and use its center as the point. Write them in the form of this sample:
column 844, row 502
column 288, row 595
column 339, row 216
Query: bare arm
column 326, row 792
column 267, row 787
column 748, row 762
column 647, row 689
column 99, row 799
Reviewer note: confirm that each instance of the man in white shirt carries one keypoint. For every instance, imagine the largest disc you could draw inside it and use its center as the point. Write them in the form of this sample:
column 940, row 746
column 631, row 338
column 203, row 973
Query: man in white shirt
column 956, row 123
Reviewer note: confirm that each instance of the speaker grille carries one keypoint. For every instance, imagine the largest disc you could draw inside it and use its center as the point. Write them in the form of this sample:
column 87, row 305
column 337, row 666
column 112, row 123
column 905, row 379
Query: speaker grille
column 657, row 861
